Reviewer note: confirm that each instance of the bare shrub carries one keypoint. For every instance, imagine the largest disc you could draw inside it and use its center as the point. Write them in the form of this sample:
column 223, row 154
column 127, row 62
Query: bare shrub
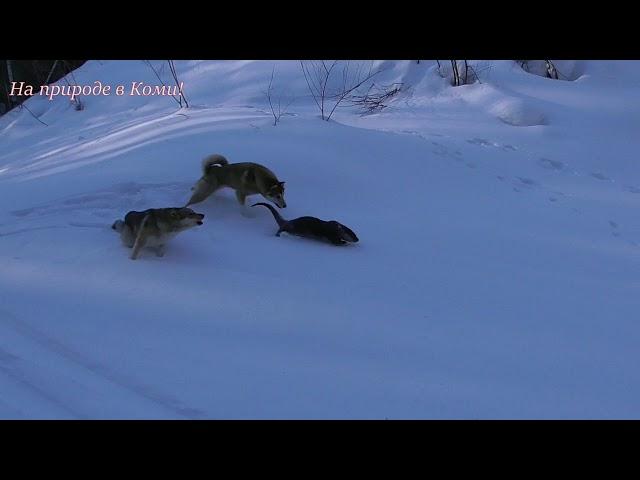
column 376, row 98
column 174, row 75
column 462, row 72
column 331, row 83
column 277, row 103
column 549, row 69
column 77, row 103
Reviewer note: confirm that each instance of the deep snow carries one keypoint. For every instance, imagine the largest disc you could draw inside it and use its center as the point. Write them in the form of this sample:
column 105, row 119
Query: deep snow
column 496, row 276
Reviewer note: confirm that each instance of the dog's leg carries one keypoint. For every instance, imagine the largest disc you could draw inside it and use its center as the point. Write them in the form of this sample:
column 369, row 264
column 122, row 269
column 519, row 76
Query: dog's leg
column 126, row 236
column 202, row 190
column 141, row 239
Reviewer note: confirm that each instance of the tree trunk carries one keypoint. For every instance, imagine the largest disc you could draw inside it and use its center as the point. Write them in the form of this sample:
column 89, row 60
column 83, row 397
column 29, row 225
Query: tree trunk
column 10, row 75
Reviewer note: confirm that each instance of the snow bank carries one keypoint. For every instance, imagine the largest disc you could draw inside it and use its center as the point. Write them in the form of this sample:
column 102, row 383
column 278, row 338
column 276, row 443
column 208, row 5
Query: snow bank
column 496, row 276
column 516, row 112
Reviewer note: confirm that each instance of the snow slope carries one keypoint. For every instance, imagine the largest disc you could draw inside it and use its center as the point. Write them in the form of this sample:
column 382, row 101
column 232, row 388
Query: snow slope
column 496, row 276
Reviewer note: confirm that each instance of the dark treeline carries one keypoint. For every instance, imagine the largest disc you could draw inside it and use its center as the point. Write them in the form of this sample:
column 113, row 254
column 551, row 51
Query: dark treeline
column 32, row 72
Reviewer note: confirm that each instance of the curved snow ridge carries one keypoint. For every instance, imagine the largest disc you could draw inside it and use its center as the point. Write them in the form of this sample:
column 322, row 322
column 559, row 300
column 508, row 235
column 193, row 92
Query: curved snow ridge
column 131, row 135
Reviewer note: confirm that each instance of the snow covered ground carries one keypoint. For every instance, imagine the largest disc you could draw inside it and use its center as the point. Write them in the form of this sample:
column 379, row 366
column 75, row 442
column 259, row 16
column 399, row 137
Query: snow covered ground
column 496, row 274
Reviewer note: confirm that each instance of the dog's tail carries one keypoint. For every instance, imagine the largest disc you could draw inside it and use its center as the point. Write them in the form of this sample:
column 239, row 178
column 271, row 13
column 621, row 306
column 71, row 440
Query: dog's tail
column 212, row 160
column 279, row 220
column 118, row 225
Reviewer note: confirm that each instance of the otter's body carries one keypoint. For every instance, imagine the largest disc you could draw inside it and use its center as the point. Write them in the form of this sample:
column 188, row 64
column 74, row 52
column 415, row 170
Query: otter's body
column 312, row 227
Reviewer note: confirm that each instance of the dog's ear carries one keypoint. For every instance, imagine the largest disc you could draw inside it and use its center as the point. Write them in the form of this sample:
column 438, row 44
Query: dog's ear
column 281, row 184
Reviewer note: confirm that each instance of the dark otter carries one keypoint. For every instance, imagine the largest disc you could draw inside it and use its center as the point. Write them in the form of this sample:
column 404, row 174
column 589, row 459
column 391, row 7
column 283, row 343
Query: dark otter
column 312, row 227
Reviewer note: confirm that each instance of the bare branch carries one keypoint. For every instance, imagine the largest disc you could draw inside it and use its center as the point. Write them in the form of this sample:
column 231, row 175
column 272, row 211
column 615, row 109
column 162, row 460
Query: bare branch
column 148, row 62
column 551, row 69
column 347, row 91
column 22, row 105
column 275, row 117
column 319, row 76
column 376, row 98
column 76, row 101
column 309, row 85
column 172, row 68
column 46, row 82
column 279, row 111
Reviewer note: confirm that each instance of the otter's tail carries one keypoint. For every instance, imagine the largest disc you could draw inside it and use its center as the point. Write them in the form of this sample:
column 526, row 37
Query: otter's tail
column 280, row 221
column 212, row 160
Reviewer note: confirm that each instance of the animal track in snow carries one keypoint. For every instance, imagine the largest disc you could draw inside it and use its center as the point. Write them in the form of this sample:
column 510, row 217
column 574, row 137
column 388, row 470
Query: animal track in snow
column 119, row 198
column 65, row 355
column 614, row 228
column 551, row 164
column 528, row 181
column 31, row 229
column 440, row 149
column 482, row 142
column 7, row 357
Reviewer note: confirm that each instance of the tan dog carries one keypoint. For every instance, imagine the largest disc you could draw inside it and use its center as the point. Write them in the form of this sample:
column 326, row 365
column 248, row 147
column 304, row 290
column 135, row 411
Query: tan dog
column 245, row 178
